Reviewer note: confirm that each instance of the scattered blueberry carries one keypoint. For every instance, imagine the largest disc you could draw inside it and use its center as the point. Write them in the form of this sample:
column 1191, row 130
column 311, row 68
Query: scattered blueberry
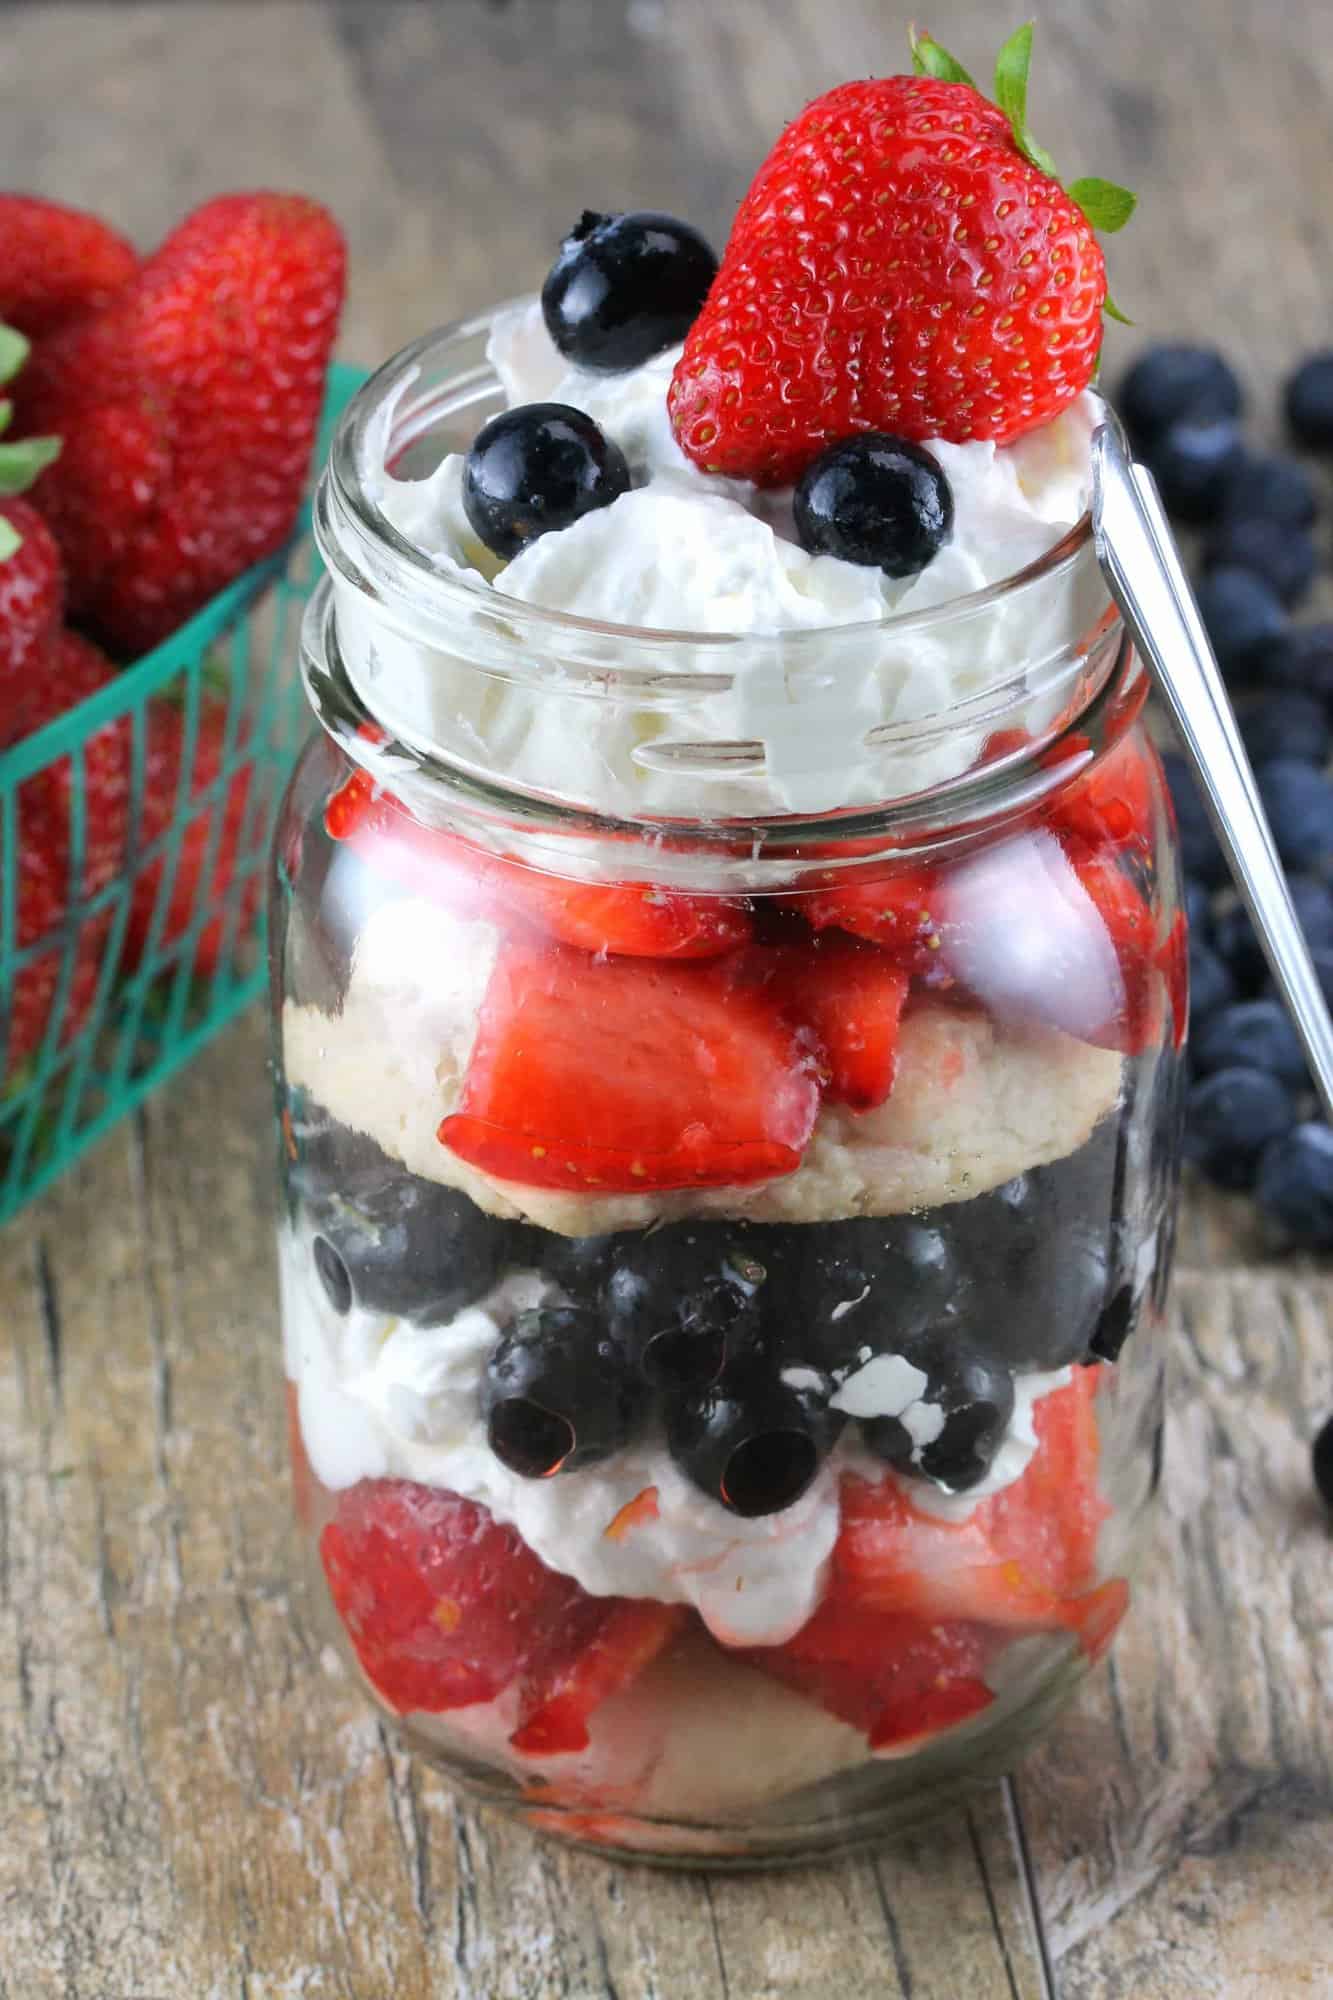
column 1241, row 614
column 877, row 500
column 1269, row 488
column 1237, row 945
column 558, row 1393
column 1299, row 804
column 1321, row 1461
column 536, row 468
column 1282, row 555
column 1252, row 1034
column 1176, row 380
column 1295, row 1185
column 1194, row 463
column 974, row 1397
column 1300, row 658
column 1198, row 908
column 1309, row 401
column 1199, row 852
column 1286, row 724
column 755, row 1439
column 624, row 287
column 1232, row 1115
column 1211, row 985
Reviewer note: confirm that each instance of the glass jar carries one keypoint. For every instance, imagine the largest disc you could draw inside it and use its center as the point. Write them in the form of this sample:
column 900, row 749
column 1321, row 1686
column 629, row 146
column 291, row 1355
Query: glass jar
column 729, row 1118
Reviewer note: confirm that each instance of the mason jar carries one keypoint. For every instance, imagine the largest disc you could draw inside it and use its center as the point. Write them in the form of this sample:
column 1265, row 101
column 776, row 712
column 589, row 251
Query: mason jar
column 729, row 1132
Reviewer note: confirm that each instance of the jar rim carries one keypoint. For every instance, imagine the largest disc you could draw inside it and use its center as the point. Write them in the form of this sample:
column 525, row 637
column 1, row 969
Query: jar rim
column 346, row 493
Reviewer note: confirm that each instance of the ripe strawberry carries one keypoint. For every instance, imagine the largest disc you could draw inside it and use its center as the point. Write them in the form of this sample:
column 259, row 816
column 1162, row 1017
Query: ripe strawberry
column 40, row 920
column 57, row 264
column 75, row 670
column 850, row 999
column 629, row 1075
column 189, row 404
column 31, row 605
column 194, row 886
column 895, row 911
column 905, row 261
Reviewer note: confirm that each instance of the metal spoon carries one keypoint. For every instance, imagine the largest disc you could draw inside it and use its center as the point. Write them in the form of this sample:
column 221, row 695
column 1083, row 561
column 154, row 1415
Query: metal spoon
column 1142, row 568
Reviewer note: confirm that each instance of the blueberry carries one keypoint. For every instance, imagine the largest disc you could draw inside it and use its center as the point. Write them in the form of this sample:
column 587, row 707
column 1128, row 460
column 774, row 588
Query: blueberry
column 1322, row 955
column 1241, row 614
column 1313, row 902
column 398, row 1244
column 1199, row 852
column 1194, row 464
column 580, row 1265
column 1198, row 909
column 1211, row 985
column 1299, row 804
column 1252, row 1034
column 333, row 1274
column 1283, row 556
column 1115, row 1325
column 754, row 1439
column 1276, row 489
column 1286, row 724
column 1230, row 1117
column 953, row 1431
column 877, row 500
column 1295, row 1185
column 624, row 287
column 1308, row 398
column 558, row 1393
column 683, row 1299
column 868, row 1285
column 1299, row 658
column 1321, row 1463
column 539, row 467
column 1173, row 381
column 1238, row 947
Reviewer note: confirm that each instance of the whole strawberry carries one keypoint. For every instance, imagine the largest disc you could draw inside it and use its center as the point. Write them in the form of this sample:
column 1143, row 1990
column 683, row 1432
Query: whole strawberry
column 31, row 605
column 905, row 261
column 100, row 775
column 189, row 406
column 56, row 264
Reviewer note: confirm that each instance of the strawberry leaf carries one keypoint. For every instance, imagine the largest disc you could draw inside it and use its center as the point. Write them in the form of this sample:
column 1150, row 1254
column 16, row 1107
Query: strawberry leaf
column 929, row 59
column 10, row 539
column 1112, row 311
column 13, row 352
column 1011, row 94
column 20, row 463
column 1107, row 206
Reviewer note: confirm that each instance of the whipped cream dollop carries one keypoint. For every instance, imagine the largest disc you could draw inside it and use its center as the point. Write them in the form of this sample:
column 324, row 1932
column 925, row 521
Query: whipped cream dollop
column 691, row 554
column 381, row 1397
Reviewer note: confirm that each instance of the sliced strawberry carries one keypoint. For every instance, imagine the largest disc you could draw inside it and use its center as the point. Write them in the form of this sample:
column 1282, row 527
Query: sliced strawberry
column 1132, row 930
column 628, row 1076
column 1114, row 801
column 560, row 1696
column 625, row 919
column 443, row 1605
column 1172, row 960
column 1023, row 1559
column 850, row 997
column 894, row 911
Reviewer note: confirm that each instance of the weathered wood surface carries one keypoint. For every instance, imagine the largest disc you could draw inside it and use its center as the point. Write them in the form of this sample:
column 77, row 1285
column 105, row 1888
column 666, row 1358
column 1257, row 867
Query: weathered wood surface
column 193, row 1801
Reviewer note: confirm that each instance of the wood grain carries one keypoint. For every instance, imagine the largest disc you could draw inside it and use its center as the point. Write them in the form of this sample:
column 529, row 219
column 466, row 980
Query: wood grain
column 193, row 1800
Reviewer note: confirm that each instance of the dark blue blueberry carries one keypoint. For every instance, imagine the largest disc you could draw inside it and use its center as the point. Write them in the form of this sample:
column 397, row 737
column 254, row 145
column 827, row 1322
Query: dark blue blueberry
column 1252, row 1034
column 1242, row 614
column 1322, row 956
column 1309, row 401
column 1237, row 945
column 1200, row 854
column 866, row 1285
column 1286, row 724
column 1114, row 1327
column 1230, row 1117
column 1282, row 555
column 1299, row 803
column 976, row 1399
column 754, row 1439
column 1198, row 909
column 1313, row 903
column 1295, row 1185
column 684, row 1298
column 624, row 287
column 877, row 500
column 1299, row 658
column 333, row 1274
column 1194, row 464
column 1211, row 985
column 1176, row 380
column 1267, row 488
column 539, row 467
column 558, row 1393
column 1321, row 1463
column 394, row 1243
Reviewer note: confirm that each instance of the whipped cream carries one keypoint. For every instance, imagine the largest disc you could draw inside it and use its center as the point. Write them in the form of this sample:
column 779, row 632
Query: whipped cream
column 381, row 1397
column 692, row 554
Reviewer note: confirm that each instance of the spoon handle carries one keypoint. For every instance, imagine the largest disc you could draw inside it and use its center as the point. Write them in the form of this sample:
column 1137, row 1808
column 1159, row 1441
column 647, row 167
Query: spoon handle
column 1143, row 571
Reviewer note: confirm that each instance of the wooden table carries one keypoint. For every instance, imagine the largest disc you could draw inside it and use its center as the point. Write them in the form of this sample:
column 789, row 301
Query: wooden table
column 195, row 1802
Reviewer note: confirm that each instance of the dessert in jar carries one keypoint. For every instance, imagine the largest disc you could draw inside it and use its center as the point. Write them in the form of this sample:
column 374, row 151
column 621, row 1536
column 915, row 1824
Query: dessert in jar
column 730, row 984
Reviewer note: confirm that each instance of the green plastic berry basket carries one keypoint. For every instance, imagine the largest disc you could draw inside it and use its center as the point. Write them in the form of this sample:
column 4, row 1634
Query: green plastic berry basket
column 129, row 986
